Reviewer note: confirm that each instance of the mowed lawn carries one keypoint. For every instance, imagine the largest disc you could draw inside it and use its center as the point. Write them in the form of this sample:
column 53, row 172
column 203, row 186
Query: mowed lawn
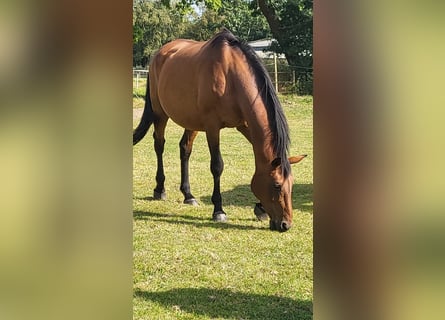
column 188, row 267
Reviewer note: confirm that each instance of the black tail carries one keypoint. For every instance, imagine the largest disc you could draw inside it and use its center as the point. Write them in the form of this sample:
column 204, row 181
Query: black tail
column 147, row 117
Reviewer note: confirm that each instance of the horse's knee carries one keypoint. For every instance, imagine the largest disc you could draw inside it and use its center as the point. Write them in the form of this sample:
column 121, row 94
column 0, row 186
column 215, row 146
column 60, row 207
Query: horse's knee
column 159, row 143
column 217, row 166
column 185, row 145
column 184, row 150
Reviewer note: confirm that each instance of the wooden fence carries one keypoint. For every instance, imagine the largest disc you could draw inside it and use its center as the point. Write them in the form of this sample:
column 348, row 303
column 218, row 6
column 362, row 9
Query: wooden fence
column 284, row 81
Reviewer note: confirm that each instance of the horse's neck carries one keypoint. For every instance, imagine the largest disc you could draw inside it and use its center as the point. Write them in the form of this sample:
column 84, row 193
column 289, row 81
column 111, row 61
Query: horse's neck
column 260, row 135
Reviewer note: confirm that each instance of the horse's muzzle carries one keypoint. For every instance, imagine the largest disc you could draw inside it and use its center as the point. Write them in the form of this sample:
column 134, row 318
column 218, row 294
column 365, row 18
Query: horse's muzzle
column 281, row 226
column 285, row 226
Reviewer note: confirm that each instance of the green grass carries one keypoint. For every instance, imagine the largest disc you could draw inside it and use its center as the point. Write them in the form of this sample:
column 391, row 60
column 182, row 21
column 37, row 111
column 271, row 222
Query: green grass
column 188, row 267
column 139, row 92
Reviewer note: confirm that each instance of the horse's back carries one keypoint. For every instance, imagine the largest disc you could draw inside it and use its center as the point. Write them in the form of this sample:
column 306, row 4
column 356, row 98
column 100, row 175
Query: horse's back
column 193, row 84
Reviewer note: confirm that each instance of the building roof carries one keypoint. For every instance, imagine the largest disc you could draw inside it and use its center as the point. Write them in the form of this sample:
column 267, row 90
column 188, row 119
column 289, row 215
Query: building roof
column 262, row 46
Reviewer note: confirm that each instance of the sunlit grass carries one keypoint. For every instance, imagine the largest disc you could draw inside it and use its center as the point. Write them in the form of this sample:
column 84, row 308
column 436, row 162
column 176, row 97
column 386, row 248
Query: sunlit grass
column 188, row 267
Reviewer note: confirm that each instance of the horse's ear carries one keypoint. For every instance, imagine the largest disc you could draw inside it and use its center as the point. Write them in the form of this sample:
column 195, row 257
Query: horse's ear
column 297, row 159
column 276, row 163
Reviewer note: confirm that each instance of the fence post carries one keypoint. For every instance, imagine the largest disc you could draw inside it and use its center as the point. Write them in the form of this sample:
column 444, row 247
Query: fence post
column 276, row 71
column 137, row 80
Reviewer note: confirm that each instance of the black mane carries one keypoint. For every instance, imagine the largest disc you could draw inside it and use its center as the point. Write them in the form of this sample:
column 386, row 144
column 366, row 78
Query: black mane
column 277, row 120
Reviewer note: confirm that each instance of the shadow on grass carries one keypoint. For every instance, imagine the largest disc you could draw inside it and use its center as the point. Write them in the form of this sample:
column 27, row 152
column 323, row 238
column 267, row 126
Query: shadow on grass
column 166, row 216
column 229, row 304
column 198, row 222
column 149, row 198
column 302, row 197
column 238, row 196
column 241, row 195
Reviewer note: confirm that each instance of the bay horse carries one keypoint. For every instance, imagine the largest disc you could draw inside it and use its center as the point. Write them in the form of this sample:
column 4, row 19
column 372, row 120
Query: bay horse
column 207, row 86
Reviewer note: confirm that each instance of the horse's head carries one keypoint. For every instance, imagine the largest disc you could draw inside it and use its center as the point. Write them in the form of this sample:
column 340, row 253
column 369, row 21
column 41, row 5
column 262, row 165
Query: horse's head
column 274, row 190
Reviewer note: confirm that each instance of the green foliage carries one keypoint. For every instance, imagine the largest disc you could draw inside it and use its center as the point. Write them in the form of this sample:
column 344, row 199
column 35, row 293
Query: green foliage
column 305, row 83
column 154, row 24
column 291, row 25
column 240, row 18
column 157, row 22
column 288, row 21
column 210, row 4
column 235, row 15
column 205, row 26
column 295, row 18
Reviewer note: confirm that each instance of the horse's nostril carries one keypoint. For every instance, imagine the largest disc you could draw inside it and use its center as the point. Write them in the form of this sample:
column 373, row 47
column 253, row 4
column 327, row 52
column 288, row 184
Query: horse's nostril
column 285, row 226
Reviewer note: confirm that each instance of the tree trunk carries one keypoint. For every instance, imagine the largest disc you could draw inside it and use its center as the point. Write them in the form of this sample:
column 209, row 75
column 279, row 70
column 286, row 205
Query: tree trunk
column 275, row 26
column 280, row 31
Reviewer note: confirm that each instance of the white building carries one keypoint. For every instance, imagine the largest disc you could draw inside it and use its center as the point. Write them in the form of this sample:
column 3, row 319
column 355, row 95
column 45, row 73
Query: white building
column 261, row 48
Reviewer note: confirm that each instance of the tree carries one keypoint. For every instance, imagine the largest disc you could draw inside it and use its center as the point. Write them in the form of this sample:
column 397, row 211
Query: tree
column 203, row 27
column 290, row 22
column 154, row 24
column 240, row 18
column 236, row 15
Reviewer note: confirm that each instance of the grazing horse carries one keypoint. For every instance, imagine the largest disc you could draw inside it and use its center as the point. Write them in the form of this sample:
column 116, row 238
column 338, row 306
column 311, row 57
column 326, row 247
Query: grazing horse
column 207, row 86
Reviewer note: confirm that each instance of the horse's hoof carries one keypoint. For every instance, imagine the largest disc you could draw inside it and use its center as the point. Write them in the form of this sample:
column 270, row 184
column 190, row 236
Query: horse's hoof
column 219, row 216
column 191, row 201
column 262, row 217
column 260, row 212
column 159, row 195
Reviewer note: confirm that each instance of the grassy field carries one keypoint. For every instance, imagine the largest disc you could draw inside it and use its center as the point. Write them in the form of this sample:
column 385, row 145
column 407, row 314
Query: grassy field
column 188, row 267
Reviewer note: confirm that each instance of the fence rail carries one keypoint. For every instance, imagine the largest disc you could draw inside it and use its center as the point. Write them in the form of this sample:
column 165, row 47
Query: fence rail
column 286, row 80
column 137, row 76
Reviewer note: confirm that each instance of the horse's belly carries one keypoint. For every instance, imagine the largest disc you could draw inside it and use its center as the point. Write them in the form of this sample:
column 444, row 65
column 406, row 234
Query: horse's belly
column 191, row 114
column 184, row 114
column 187, row 121
column 200, row 121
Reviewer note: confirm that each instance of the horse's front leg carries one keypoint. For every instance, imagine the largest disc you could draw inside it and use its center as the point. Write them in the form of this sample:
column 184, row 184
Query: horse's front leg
column 216, row 167
column 259, row 210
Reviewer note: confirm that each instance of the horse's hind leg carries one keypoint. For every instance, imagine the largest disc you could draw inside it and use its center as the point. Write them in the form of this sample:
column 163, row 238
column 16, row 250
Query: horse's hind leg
column 159, row 141
column 185, row 147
